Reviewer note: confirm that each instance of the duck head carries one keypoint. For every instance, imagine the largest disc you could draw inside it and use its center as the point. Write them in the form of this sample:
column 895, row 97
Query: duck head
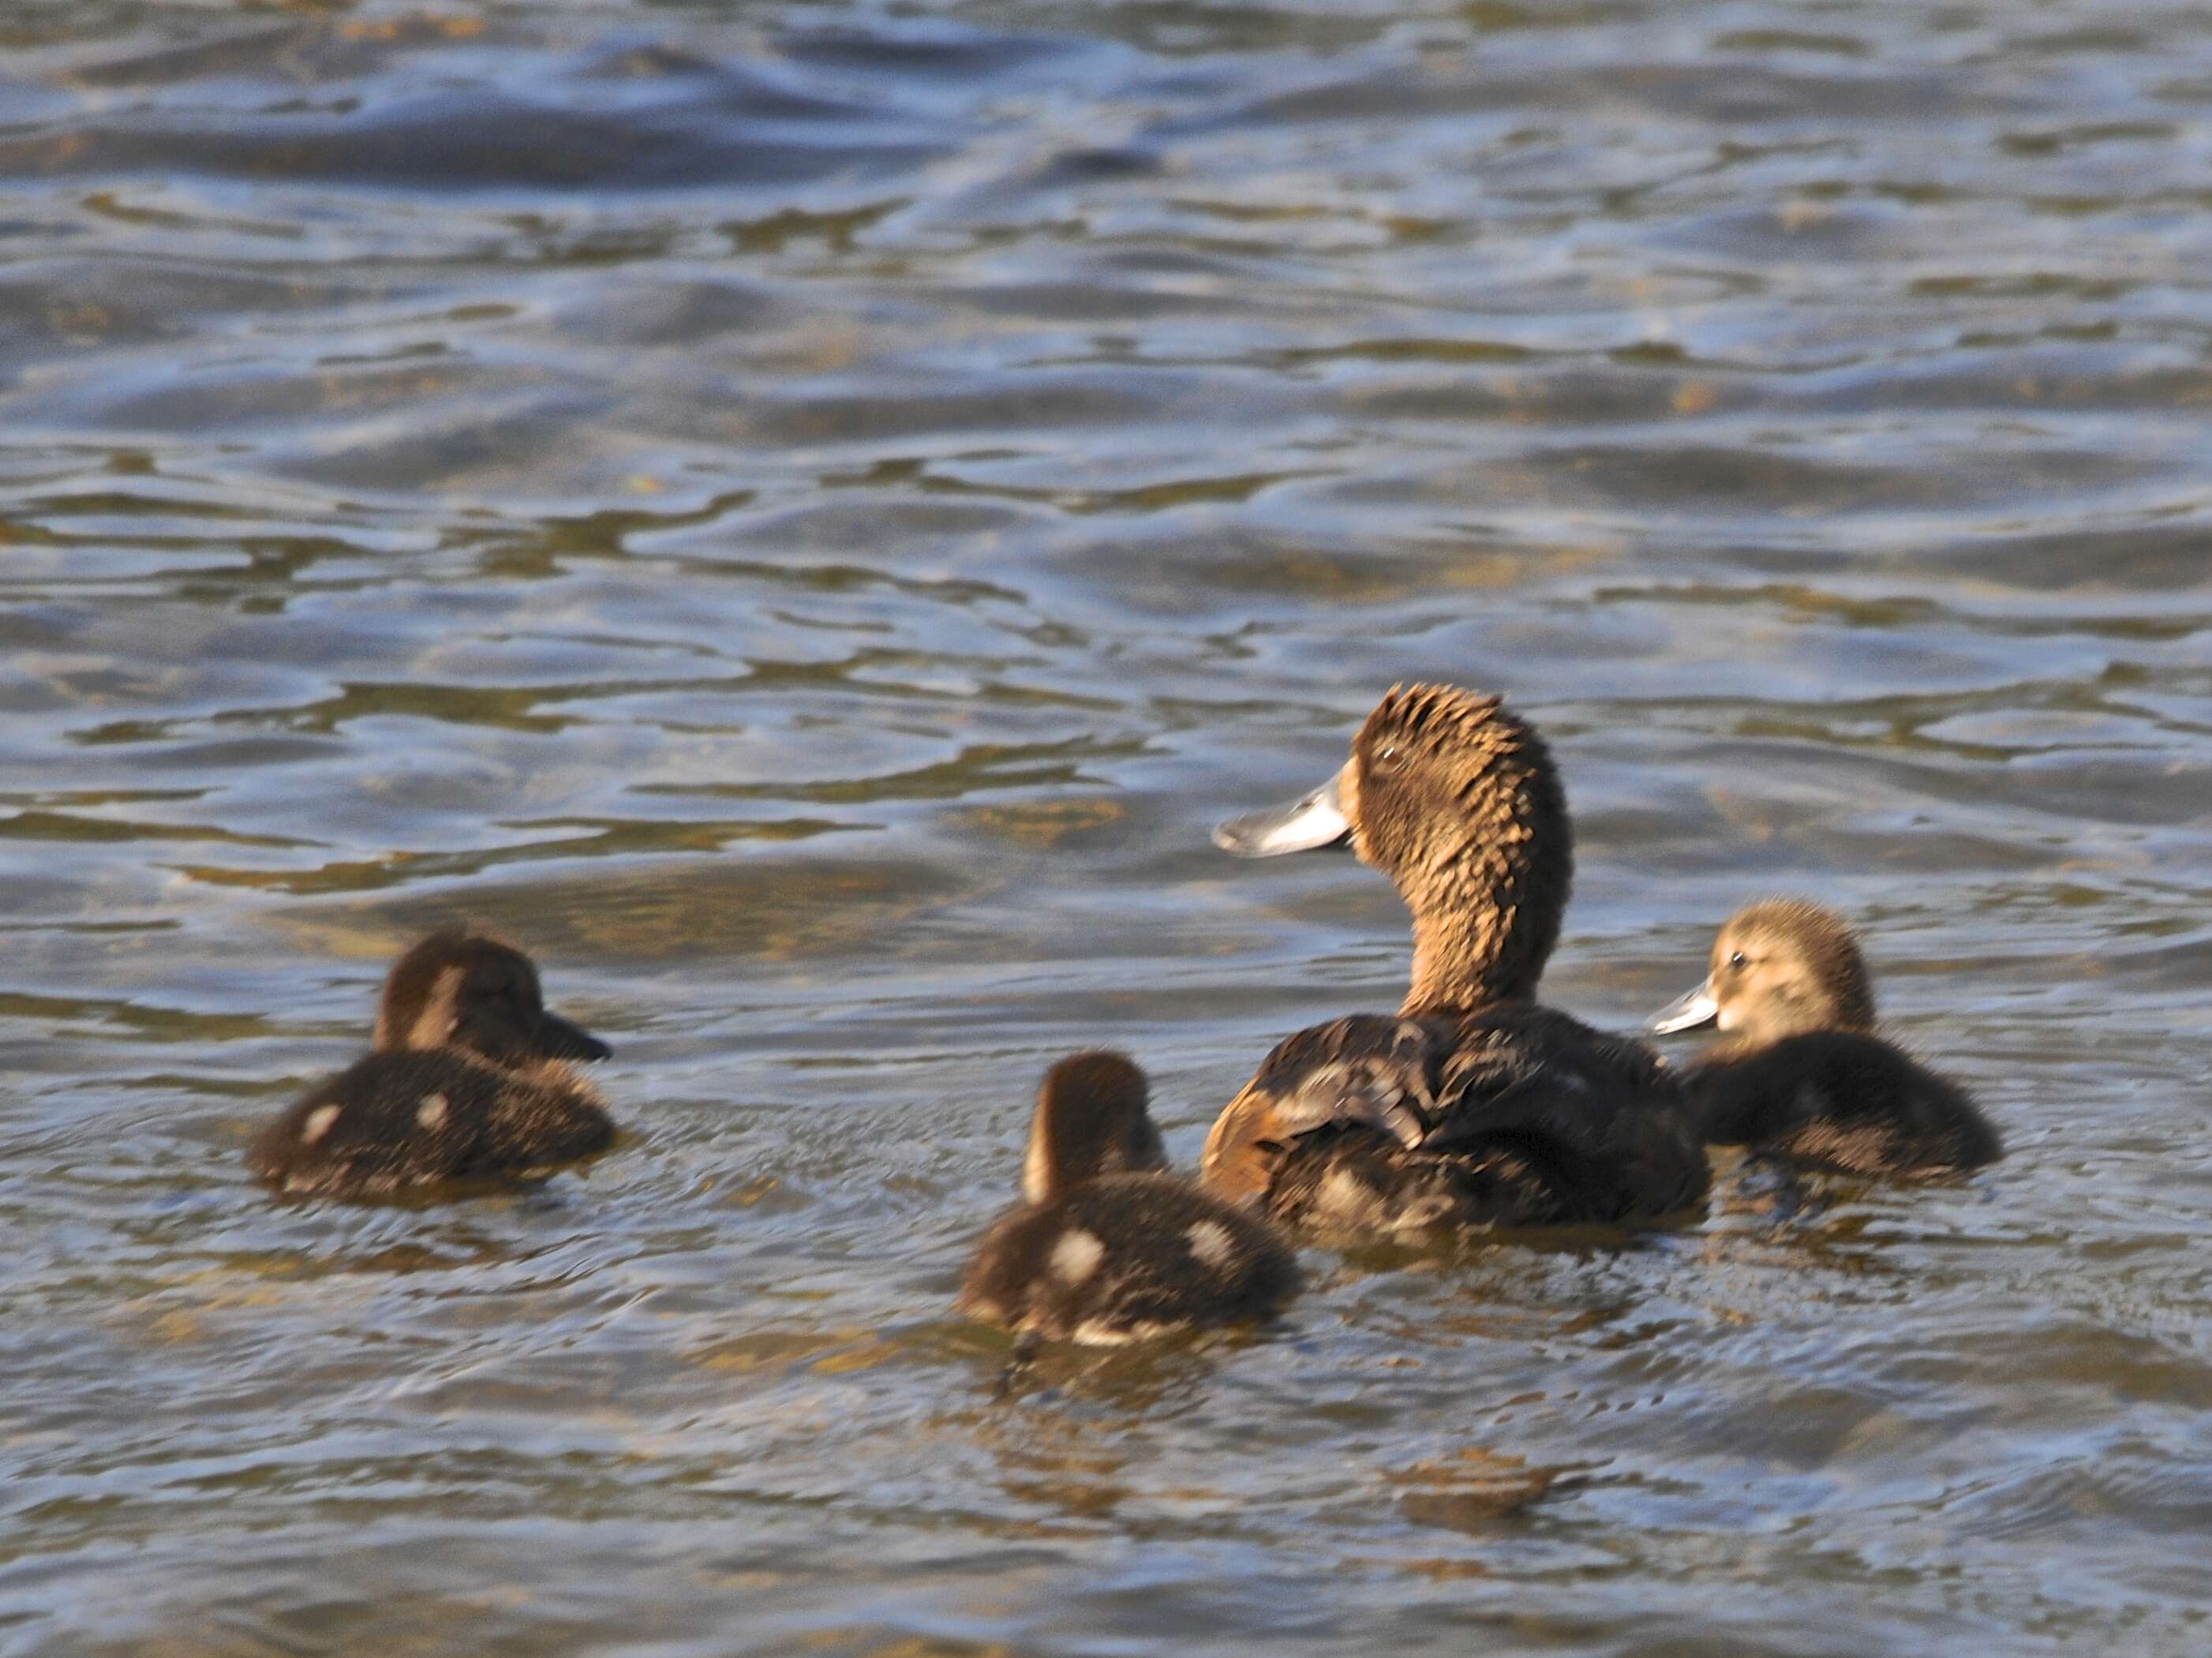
column 1091, row 1119
column 461, row 989
column 1455, row 798
column 1780, row 968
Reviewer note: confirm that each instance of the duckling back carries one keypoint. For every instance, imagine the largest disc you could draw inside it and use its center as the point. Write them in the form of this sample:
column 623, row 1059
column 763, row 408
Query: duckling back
column 1109, row 1247
column 1846, row 1101
column 391, row 1121
column 1126, row 1257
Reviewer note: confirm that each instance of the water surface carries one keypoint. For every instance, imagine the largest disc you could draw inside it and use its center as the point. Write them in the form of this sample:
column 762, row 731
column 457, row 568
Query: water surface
column 803, row 516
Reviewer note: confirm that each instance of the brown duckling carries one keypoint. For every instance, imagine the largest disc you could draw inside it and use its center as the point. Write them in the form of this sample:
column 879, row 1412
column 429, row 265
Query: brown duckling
column 1473, row 1106
column 1798, row 1074
column 469, row 1080
column 1108, row 1247
column 461, row 989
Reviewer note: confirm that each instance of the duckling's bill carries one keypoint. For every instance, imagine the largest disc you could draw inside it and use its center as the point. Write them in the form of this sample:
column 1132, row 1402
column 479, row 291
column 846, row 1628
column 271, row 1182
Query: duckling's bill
column 1312, row 820
column 1700, row 1007
column 557, row 1039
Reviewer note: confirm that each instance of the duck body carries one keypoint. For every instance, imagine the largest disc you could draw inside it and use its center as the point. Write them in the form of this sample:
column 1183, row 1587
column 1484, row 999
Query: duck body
column 390, row 1122
column 1109, row 1247
column 1843, row 1100
column 468, row 1081
column 1800, row 1075
column 1124, row 1258
column 1512, row 1115
column 1474, row 1106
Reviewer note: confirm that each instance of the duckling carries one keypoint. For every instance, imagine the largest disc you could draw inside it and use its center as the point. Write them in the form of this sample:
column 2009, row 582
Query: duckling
column 1473, row 1106
column 461, row 989
column 1108, row 1247
column 468, row 1079
column 1799, row 1075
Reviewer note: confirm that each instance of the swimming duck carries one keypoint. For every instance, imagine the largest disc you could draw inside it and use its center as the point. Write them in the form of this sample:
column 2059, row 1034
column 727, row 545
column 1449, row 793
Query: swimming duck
column 1473, row 1106
column 1107, row 1247
column 469, row 1079
column 1799, row 1074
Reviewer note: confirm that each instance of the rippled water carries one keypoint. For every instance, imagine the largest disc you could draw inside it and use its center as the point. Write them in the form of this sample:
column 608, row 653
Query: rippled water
column 803, row 516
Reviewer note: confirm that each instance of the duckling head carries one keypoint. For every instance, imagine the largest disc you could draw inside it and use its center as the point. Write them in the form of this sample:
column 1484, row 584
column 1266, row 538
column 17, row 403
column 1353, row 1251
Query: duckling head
column 461, row 989
column 1455, row 798
column 1091, row 1119
column 1780, row 968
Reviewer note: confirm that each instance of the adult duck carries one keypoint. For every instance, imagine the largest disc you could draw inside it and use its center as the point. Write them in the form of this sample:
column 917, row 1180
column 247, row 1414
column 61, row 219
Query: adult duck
column 1799, row 1075
column 1473, row 1106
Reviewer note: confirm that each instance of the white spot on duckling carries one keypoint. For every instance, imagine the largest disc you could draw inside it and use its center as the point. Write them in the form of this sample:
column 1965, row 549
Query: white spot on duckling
column 1103, row 1332
column 1210, row 1242
column 1347, row 1196
column 318, row 1124
column 1076, row 1256
column 431, row 1113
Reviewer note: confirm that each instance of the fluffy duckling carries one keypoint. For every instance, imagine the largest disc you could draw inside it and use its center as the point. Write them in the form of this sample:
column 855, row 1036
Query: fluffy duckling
column 1108, row 1247
column 1799, row 1074
column 469, row 1080
column 1473, row 1106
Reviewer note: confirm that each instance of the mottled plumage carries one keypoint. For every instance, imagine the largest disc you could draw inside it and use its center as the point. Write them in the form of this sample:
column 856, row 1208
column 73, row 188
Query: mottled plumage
column 1799, row 1074
column 1109, row 1247
column 1473, row 1107
column 392, row 1122
column 468, row 1082
column 1511, row 1115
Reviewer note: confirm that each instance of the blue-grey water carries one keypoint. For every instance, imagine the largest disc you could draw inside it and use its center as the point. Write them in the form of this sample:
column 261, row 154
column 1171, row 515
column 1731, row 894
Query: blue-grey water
column 803, row 515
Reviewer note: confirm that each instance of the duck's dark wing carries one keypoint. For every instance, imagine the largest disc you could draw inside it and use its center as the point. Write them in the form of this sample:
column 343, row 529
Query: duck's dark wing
column 1368, row 1072
column 1845, row 1101
column 1605, row 1125
column 1514, row 1115
column 1519, row 1065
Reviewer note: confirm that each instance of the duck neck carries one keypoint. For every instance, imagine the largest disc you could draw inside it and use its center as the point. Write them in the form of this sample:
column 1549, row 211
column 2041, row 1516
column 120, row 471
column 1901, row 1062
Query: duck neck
column 1466, row 961
column 1486, row 919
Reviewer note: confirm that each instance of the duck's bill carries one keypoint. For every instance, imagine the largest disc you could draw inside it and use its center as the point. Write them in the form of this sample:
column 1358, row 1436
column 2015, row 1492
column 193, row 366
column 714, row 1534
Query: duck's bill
column 1699, row 1008
column 1312, row 820
column 556, row 1039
